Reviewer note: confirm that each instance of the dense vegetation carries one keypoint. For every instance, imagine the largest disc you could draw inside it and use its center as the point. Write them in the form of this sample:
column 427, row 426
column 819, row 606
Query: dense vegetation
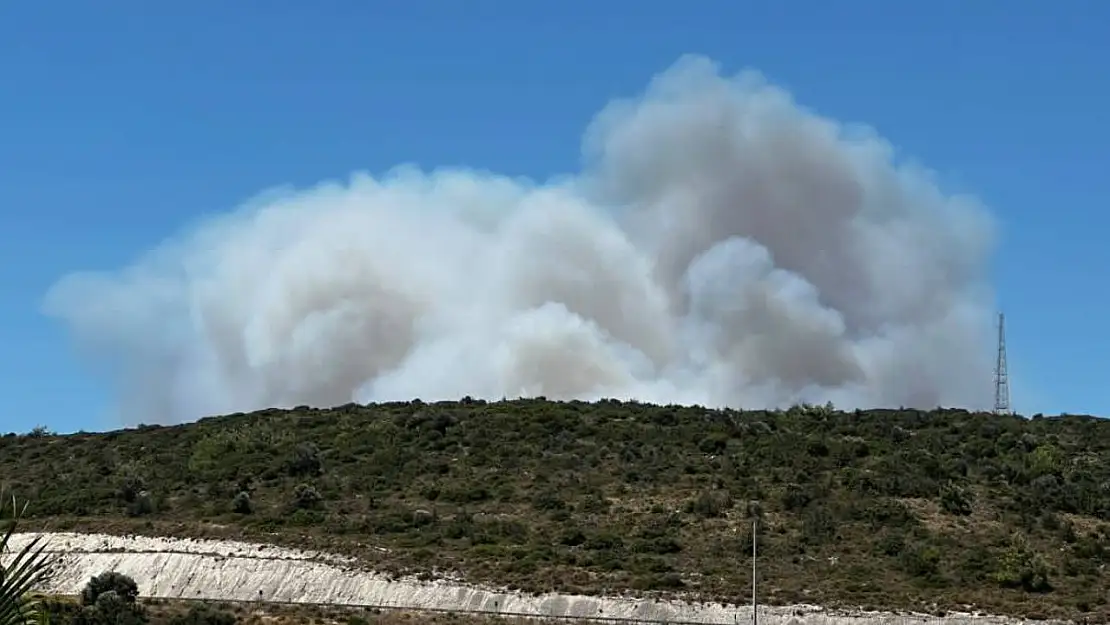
column 147, row 611
column 112, row 598
column 886, row 509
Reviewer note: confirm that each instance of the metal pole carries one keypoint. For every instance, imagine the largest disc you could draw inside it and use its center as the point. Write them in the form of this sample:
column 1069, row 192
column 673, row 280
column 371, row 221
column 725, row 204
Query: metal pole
column 755, row 603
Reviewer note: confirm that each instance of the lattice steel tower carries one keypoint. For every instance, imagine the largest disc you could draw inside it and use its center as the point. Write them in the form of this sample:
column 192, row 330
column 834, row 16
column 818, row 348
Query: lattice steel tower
column 1001, row 377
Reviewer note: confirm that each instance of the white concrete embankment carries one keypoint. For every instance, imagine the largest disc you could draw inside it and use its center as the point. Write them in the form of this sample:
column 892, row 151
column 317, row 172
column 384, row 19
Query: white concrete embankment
column 235, row 571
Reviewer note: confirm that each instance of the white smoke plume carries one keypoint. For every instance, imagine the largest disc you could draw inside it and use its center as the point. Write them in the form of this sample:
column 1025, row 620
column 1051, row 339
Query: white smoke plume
column 722, row 246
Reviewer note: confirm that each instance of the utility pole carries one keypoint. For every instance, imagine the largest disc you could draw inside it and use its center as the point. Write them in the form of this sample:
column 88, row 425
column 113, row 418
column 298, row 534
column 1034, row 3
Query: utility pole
column 755, row 602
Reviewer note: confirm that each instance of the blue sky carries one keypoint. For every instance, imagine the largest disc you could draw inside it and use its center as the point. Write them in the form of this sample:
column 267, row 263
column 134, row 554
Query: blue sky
column 123, row 122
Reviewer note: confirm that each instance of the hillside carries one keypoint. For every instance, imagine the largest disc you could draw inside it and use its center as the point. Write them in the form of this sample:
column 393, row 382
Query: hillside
column 877, row 509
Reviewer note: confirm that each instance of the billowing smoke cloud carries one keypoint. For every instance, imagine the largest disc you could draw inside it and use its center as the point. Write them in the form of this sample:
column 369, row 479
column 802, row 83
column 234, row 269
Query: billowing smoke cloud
column 721, row 246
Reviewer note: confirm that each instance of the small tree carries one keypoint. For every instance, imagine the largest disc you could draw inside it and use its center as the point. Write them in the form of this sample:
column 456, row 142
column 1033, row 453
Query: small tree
column 305, row 497
column 111, row 597
column 306, row 460
column 1020, row 567
column 242, row 503
column 955, row 500
column 111, row 581
column 710, row 504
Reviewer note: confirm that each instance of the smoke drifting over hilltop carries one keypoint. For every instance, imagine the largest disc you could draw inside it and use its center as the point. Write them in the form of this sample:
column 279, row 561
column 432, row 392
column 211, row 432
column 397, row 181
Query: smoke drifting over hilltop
column 722, row 246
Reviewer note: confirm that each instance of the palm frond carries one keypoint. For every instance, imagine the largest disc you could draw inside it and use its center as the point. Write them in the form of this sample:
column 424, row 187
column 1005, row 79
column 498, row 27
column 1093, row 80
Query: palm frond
column 31, row 566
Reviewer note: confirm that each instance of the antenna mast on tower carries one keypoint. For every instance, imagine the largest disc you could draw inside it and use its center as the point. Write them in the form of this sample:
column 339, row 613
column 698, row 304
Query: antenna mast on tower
column 1001, row 377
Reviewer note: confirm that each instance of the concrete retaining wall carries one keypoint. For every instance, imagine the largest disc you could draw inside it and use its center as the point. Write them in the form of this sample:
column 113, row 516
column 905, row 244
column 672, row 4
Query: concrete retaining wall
column 234, row 571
